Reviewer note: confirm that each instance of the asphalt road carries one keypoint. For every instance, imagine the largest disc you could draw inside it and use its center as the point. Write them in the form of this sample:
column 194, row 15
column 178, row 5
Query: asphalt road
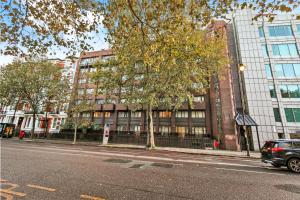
column 47, row 171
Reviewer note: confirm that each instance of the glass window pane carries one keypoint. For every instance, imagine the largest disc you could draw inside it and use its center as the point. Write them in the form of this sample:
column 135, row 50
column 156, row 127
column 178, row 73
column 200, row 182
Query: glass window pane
column 298, row 29
column 289, row 114
column 261, row 32
column 294, row 91
column 284, row 50
column 284, row 91
column 272, row 91
column 288, row 70
column 277, row 114
column 268, row 71
column 275, row 49
column 284, row 30
column 265, row 50
column 279, row 71
column 297, row 114
column 297, row 69
column 293, row 49
column 272, row 31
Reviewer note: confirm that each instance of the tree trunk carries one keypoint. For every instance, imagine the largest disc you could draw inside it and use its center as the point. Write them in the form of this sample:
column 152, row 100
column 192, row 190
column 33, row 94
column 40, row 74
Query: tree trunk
column 150, row 132
column 75, row 134
column 33, row 124
column 14, row 116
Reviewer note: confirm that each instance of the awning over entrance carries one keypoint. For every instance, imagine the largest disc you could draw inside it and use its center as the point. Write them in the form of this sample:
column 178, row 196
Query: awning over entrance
column 249, row 121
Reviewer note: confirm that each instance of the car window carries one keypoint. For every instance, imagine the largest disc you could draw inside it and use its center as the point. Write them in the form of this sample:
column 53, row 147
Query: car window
column 285, row 144
column 269, row 145
column 296, row 145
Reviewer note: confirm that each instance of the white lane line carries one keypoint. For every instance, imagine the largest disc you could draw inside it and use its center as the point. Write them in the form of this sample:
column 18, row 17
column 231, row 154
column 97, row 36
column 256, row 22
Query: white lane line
column 249, row 171
column 84, row 196
column 79, row 153
column 41, row 188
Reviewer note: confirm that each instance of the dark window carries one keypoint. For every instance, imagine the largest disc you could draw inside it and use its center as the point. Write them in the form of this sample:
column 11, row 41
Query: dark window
column 294, row 91
column 277, row 114
column 272, row 91
column 296, row 114
column 289, row 115
column 284, row 91
column 296, row 145
column 285, row 144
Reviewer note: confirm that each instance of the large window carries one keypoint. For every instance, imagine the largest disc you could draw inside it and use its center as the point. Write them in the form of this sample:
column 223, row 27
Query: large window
column 198, row 130
column 277, row 114
column 198, row 114
column 121, row 127
column 277, row 31
column 182, row 130
column 136, row 114
column 182, row 114
column 292, row 114
column 97, row 114
column 122, row 114
column 284, row 49
column 54, row 122
column 287, row 70
column 272, row 91
column 290, row 91
column 261, row 32
column 268, row 71
column 165, row 114
column 164, row 130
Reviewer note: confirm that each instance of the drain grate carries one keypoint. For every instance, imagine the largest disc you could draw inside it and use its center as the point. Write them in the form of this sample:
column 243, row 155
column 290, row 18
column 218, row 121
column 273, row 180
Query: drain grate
column 137, row 166
column 289, row 187
column 163, row 165
column 118, row 160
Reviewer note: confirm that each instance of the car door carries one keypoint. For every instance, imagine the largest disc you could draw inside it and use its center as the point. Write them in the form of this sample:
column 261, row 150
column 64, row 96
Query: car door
column 296, row 148
column 266, row 151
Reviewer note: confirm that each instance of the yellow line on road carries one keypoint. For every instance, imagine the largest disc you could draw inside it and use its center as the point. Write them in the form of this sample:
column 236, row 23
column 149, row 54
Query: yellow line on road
column 20, row 194
column 41, row 187
column 84, row 196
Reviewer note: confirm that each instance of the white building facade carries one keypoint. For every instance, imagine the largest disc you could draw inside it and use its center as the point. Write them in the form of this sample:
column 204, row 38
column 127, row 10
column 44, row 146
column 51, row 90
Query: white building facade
column 270, row 52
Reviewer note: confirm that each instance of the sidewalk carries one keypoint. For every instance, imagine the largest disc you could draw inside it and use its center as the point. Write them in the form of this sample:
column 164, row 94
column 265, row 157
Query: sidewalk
column 255, row 155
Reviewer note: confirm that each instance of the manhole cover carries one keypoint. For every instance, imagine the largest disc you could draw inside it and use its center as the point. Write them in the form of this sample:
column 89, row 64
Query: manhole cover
column 137, row 166
column 289, row 188
column 117, row 161
column 164, row 165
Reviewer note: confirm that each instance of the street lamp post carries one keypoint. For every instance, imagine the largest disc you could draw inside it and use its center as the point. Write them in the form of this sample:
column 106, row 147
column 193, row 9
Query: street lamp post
column 242, row 68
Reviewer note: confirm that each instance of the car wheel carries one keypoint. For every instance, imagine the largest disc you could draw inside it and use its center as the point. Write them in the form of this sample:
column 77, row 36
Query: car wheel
column 276, row 165
column 294, row 165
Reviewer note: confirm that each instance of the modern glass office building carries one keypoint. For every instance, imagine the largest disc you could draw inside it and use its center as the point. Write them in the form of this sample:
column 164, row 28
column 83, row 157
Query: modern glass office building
column 271, row 81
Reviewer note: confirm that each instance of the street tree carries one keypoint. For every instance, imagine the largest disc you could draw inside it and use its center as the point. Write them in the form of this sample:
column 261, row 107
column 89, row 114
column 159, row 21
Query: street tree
column 162, row 56
column 38, row 83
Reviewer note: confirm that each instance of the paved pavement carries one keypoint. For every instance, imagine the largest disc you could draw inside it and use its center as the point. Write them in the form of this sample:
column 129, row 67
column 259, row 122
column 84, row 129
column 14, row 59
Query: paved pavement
column 128, row 146
column 58, row 171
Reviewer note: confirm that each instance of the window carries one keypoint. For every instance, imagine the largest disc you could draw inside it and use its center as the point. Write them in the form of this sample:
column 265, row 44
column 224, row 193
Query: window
column 100, row 101
column 182, row 114
column 165, row 114
column 198, row 114
column 298, row 29
column 97, row 114
column 82, row 80
column 84, row 70
column 164, row 129
column 198, row 130
column 63, row 120
column 265, row 50
column 122, row 114
column 86, row 114
column 80, row 92
column 283, row 30
column 54, row 122
column 290, row 91
column 198, row 98
column 106, row 114
column 268, row 71
column 277, row 114
column 272, row 91
column 136, row 114
column 292, row 114
column 121, row 128
column 197, row 85
column 136, row 128
column 287, row 70
column 93, row 69
column 182, row 130
column 296, row 145
column 90, row 91
column 284, row 49
column 28, row 121
column 261, row 32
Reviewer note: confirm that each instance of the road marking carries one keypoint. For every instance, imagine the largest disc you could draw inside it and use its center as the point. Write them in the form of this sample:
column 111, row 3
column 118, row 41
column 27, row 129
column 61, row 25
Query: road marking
column 6, row 196
column 41, row 187
column 249, row 171
column 20, row 194
column 84, row 196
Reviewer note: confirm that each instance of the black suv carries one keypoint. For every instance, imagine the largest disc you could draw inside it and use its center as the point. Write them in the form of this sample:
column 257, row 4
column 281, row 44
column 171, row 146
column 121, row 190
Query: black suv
column 282, row 153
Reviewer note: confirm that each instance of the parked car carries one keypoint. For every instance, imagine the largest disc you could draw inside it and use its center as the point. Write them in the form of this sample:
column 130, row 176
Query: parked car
column 282, row 153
